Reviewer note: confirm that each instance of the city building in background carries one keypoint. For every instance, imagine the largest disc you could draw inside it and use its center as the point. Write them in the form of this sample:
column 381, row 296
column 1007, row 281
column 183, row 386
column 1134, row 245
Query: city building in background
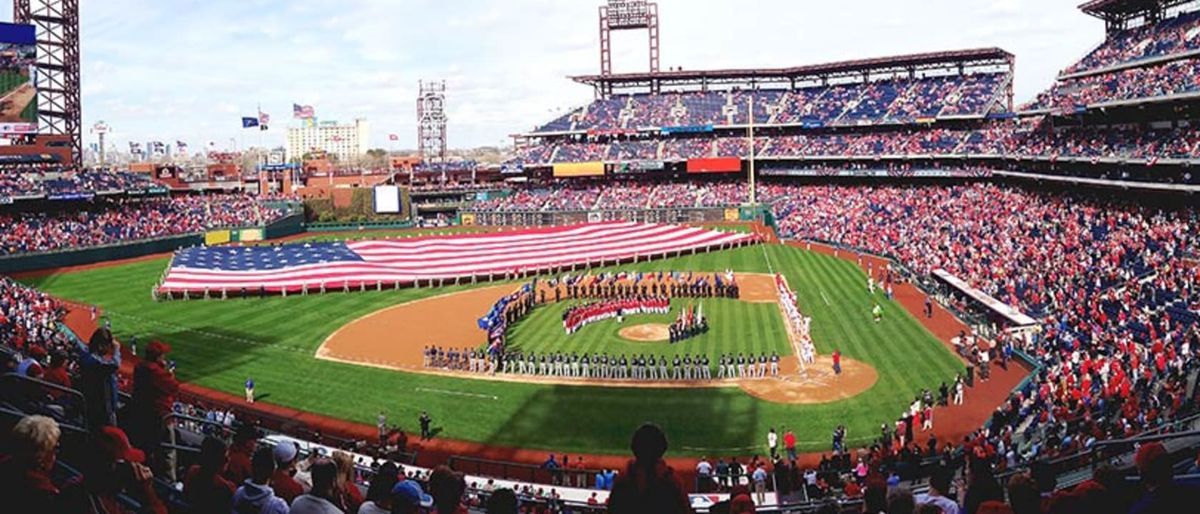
column 348, row 142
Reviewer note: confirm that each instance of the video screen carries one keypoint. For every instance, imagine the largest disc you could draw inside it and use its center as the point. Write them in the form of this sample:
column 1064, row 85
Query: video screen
column 18, row 92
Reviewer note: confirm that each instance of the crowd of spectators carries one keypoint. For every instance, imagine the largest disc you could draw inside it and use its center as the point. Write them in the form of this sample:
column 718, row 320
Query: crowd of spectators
column 105, row 222
column 16, row 182
column 1116, row 300
column 28, row 317
column 615, row 195
column 881, row 101
column 1172, row 78
column 1032, row 137
column 1168, row 37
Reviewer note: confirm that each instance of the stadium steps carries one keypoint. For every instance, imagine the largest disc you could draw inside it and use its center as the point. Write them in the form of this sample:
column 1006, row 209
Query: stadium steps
column 658, row 153
column 997, row 95
column 783, row 102
column 848, row 106
column 627, row 113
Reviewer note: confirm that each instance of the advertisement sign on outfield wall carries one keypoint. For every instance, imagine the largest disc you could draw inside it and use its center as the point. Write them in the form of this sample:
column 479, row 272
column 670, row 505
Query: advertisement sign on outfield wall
column 579, row 169
column 217, row 237
column 717, row 165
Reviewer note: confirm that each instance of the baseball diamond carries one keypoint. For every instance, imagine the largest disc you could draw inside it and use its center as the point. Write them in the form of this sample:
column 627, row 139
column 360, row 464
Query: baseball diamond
column 218, row 343
column 954, row 280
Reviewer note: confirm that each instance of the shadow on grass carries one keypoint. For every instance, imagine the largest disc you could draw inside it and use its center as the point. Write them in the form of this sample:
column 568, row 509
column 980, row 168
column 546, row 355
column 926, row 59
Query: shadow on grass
column 563, row 418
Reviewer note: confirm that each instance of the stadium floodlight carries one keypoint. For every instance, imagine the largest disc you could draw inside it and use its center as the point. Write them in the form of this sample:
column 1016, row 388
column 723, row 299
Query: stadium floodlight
column 627, row 15
column 431, row 121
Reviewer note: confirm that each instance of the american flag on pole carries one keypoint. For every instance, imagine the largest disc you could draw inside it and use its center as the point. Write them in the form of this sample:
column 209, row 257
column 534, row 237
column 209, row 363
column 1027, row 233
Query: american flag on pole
column 302, row 111
column 352, row 264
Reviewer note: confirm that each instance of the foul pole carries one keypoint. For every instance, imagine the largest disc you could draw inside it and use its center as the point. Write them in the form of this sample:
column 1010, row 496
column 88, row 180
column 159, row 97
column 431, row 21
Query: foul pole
column 753, row 190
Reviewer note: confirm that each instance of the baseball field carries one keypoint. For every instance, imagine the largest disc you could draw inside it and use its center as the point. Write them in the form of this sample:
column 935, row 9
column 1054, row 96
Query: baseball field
column 219, row 343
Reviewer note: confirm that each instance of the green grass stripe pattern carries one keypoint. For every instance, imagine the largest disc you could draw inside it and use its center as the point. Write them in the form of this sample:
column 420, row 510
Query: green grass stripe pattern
column 219, row 344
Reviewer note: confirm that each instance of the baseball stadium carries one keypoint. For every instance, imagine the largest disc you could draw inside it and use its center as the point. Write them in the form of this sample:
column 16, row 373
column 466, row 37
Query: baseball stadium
column 880, row 284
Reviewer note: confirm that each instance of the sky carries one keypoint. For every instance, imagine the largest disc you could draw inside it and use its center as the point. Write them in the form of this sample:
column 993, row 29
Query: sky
column 189, row 69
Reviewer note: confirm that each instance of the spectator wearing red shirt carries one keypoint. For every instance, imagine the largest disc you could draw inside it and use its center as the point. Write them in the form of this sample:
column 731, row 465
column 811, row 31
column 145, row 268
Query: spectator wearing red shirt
column 648, row 484
column 283, row 482
column 203, row 486
column 239, row 465
column 25, row 482
column 112, row 468
column 154, row 388
column 56, row 373
column 789, row 443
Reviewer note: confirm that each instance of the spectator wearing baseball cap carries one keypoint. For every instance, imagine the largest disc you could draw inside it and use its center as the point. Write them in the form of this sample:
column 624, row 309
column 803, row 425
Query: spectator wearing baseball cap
column 154, row 389
column 1163, row 494
column 31, row 365
column 323, row 498
column 255, row 496
column 648, row 485
column 409, row 498
column 283, row 482
column 112, row 468
column 25, row 482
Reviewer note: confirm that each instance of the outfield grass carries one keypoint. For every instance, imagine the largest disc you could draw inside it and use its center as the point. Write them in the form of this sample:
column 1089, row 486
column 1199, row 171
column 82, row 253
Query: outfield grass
column 219, row 343
column 734, row 327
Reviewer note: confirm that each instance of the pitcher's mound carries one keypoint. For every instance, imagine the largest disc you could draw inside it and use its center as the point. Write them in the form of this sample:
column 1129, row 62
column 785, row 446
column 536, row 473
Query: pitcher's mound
column 646, row 333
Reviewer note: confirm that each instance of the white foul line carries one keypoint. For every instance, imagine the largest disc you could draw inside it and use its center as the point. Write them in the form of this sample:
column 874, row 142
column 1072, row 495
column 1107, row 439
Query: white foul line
column 457, row 393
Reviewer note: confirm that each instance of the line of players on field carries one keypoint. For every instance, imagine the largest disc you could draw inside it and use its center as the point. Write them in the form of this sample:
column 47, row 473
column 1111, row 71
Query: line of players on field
column 605, row 367
column 580, row 316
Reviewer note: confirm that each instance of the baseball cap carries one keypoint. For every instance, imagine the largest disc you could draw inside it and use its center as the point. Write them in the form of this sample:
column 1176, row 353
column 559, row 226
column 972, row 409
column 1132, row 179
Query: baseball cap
column 284, row 452
column 157, row 348
column 1148, row 454
column 115, row 445
column 410, row 492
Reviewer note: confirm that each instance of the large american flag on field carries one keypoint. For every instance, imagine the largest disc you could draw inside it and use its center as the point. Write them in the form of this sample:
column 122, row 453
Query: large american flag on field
column 391, row 262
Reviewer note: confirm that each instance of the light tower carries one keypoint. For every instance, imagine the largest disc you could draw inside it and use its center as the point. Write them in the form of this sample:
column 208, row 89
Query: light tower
column 627, row 15
column 431, row 122
column 100, row 129
column 57, row 67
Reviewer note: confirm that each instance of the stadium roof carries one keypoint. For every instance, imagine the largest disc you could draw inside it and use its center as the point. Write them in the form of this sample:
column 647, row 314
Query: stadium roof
column 926, row 60
column 1106, row 9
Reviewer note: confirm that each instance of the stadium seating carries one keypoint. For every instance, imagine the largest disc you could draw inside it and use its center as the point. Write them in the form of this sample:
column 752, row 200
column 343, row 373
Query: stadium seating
column 1173, row 78
column 1171, row 36
column 21, row 182
column 871, row 103
column 108, row 222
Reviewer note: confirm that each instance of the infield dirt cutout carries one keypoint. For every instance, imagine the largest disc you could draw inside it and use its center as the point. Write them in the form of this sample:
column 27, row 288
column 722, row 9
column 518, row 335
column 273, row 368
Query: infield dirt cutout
column 394, row 337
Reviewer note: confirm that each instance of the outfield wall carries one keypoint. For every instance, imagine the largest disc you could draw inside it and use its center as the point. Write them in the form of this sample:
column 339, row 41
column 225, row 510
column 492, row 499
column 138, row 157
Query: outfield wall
column 95, row 254
column 287, row 226
column 669, row 216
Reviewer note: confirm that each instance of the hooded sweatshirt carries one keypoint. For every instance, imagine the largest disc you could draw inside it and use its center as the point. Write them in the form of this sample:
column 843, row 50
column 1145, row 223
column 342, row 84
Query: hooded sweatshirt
column 309, row 504
column 252, row 498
